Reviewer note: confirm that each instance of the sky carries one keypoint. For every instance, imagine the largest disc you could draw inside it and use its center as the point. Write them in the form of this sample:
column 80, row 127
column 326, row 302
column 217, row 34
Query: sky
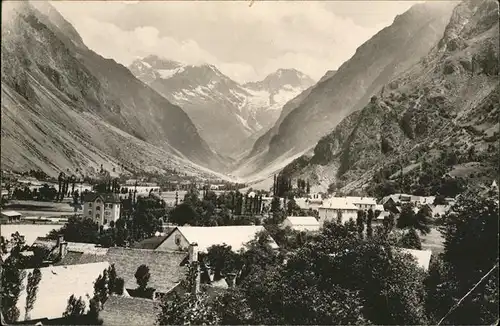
column 245, row 42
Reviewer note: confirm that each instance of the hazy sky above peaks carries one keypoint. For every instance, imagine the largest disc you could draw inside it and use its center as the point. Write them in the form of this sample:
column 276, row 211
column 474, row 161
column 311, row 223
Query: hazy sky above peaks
column 246, row 43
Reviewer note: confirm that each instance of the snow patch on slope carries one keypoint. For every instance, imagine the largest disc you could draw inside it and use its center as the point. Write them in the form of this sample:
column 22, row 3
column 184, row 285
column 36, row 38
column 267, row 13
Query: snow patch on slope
column 169, row 73
column 244, row 123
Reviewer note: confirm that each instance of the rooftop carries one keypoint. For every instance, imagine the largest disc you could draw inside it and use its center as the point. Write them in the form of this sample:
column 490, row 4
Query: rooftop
column 120, row 310
column 423, row 257
column 234, row 236
column 409, row 198
column 164, row 266
column 10, row 213
column 150, row 243
column 361, row 200
column 89, row 249
column 338, row 203
column 106, row 198
column 303, row 220
column 57, row 284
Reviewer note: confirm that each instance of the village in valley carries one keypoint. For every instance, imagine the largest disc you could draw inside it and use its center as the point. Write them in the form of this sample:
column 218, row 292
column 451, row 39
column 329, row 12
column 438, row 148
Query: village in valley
column 249, row 163
column 138, row 245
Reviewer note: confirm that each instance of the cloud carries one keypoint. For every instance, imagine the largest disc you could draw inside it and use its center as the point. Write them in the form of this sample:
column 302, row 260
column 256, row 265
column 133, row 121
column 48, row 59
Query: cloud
column 245, row 43
column 125, row 46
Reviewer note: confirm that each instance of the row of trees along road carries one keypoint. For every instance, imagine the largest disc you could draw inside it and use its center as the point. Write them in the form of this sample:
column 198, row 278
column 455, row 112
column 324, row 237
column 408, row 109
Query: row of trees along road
column 342, row 277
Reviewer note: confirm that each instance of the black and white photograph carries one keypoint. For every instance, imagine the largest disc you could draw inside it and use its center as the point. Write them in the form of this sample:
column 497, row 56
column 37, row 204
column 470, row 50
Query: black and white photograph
column 249, row 162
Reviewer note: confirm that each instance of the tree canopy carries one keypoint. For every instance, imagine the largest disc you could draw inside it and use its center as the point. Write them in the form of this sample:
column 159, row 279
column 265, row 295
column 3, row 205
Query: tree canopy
column 470, row 230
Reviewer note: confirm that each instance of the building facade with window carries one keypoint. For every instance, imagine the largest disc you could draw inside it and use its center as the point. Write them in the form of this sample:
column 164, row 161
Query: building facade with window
column 102, row 208
column 337, row 207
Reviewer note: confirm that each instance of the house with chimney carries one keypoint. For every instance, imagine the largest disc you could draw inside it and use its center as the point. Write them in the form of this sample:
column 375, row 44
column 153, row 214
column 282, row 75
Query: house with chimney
column 302, row 223
column 101, row 208
column 422, row 257
column 206, row 236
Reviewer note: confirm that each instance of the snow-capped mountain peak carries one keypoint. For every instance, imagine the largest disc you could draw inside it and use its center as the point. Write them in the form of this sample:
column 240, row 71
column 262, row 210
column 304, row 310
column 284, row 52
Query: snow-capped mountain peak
column 279, row 79
column 225, row 112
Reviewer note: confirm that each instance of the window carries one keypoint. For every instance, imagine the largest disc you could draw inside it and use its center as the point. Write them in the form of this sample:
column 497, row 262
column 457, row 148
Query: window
column 105, row 221
column 90, row 205
column 98, row 208
column 107, row 213
column 178, row 239
column 97, row 216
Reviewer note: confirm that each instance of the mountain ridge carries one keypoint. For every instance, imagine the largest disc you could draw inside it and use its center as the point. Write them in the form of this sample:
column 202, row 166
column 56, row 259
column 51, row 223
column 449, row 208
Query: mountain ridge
column 228, row 114
column 65, row 87
column 443, row 109
column 390, row 51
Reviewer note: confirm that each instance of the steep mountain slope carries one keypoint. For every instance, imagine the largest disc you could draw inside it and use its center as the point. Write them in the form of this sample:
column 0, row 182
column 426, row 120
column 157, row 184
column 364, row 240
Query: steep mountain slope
column 388, row 53
column 64, row 106
column 226, row 113
column 446, row 106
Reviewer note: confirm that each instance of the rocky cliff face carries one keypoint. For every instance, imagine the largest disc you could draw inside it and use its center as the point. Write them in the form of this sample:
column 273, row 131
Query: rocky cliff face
column 227, row 114
column 390, row 52
column 64, row 106
column 448, row 102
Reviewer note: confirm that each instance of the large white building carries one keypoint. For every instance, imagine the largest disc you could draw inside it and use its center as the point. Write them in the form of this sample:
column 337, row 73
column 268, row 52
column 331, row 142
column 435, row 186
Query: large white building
column 334, row 206
column 206, row 236
column 101, row 208
column 400, row 199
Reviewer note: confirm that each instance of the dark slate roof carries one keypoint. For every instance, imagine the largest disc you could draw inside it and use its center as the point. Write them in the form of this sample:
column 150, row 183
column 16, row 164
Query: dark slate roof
column 75, row 257
column 107, row 198
column 119, row 310
column 150, row 243
column 164, row 266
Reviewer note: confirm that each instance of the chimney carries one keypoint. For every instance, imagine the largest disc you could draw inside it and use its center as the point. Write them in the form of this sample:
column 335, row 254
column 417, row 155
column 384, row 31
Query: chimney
column 193, row 252
column 193, row 261
column 63, row 248
column 230, row 278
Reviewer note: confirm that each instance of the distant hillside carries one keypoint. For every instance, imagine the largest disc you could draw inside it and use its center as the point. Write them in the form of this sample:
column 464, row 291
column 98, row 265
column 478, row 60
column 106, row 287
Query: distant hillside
column 318, row 110
column 64, row 106
column 228, row 115
column 441, row 117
